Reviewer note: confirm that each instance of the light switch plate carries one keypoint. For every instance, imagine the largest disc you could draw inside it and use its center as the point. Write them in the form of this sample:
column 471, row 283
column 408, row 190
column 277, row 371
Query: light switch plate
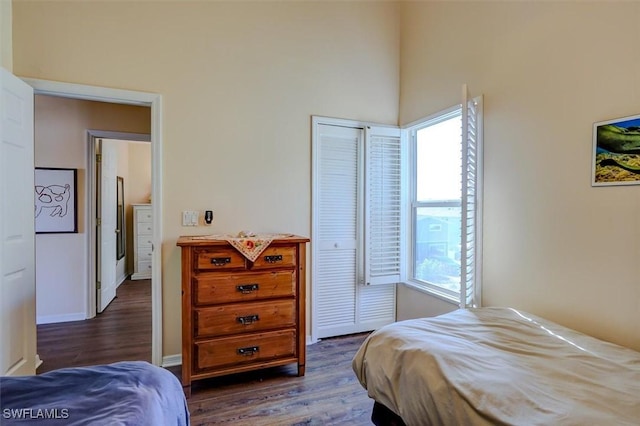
column 190, row 218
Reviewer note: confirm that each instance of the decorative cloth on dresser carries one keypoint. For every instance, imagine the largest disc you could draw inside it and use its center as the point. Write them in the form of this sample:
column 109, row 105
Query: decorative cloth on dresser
column 249, row 244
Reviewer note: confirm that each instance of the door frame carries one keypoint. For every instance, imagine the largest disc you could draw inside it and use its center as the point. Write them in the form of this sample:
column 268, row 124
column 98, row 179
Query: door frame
column 128, row 97
column 92, row 194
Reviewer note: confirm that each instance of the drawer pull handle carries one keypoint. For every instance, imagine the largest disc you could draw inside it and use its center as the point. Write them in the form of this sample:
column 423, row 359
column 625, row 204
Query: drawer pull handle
column 249, row 319
column 247, row 288
column 248, row 351
column 273, row 259
column 220, row 261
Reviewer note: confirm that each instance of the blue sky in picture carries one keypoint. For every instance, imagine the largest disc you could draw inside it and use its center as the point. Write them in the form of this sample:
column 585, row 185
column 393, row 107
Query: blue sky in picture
column 635, row 122
column 631, row 125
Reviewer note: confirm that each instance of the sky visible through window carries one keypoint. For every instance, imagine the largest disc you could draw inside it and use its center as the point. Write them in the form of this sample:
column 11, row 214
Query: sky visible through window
column 437, row 227
column 439, row 164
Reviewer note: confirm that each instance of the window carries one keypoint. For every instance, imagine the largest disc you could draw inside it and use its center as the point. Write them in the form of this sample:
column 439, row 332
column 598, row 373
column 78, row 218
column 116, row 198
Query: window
column 446, row 172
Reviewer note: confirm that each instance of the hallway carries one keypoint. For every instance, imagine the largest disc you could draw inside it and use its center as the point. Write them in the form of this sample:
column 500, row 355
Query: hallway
column 122, row 332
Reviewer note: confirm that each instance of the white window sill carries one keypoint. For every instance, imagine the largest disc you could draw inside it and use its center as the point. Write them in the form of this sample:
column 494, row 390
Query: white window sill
column 431, row 292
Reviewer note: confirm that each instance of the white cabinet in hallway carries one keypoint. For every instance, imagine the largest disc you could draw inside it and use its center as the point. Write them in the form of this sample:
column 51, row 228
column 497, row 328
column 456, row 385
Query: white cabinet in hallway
column 142, row 238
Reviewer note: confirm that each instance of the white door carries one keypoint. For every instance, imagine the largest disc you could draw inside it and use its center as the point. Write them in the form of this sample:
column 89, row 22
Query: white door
column 17, row 235
column 337, row 229
column 107, row 170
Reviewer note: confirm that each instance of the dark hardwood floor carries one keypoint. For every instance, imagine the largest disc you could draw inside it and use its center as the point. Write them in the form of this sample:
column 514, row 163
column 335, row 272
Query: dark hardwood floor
column 122, row 332
column 328, row 394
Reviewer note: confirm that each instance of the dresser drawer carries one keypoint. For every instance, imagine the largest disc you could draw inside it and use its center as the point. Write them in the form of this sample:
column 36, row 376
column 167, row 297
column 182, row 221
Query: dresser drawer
column 244, row 317
column 276, row 257
column 247, row 349
column 144, row 253
column 243, row 286
column 218, row 259
column 144, row 240
column 144, row 228
column 143, row 215
column 143, row 267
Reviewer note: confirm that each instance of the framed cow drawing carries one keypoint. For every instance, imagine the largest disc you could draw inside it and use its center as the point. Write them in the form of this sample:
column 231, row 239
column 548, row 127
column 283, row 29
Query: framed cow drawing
column 55, row 200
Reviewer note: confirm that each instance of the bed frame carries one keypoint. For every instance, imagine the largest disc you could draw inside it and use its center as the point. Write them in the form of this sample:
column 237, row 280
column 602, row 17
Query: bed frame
column 382, row 416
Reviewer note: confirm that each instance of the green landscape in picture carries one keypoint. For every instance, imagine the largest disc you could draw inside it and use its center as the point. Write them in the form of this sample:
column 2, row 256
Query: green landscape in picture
column 617, row 156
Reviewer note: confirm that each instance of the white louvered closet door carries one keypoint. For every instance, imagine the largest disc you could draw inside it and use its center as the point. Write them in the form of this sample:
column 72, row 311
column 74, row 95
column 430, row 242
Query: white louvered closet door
column 337, row 229
column 341, row 302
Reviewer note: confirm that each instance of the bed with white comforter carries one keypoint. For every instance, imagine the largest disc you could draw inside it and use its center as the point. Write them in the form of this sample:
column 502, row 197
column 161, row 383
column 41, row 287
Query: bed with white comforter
column 498, row 366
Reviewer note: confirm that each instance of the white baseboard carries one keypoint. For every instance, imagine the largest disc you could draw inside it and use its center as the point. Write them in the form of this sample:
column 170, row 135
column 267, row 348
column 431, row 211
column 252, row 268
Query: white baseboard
column 50, row 319
column 141, row 276
column 171, row 360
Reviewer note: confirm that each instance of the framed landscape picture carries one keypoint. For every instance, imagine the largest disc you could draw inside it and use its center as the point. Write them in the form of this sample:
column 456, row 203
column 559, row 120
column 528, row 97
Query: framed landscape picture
column 55, row 200
column 616, row 152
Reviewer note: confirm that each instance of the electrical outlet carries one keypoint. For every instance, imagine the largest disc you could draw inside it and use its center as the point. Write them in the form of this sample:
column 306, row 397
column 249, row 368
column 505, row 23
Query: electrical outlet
column 190, row 218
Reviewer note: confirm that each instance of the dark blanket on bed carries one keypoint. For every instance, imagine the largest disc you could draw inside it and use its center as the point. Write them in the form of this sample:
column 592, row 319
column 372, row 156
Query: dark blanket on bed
column 125, row 393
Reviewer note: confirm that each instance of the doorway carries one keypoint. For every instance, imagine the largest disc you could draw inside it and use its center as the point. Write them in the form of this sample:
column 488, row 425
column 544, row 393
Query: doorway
column 125, row 97
column 119, row 159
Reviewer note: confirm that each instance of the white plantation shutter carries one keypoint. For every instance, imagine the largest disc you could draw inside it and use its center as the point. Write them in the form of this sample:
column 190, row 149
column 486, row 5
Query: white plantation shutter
column 471, row 240
column 383, row 206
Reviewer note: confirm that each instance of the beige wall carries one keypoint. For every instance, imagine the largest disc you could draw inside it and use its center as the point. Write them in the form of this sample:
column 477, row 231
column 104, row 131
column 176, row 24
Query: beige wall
column 240, row 81
column 137, row 187
column 134, row 166
column 6, row 39
column 553, row 245
column 414, row 303
column 139, row 190
column 61, row 141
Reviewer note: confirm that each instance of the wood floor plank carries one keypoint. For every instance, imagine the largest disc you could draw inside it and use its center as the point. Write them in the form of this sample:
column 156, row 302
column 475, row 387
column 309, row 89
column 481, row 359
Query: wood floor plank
column 121, row 333
column 329, row 393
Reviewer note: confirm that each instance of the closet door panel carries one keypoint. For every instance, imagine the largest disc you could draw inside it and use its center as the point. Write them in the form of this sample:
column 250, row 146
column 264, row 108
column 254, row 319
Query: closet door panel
column 337, row 182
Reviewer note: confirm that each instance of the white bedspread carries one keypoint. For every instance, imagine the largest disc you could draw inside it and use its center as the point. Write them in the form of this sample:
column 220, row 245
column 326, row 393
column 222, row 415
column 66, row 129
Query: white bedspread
column 498, row 366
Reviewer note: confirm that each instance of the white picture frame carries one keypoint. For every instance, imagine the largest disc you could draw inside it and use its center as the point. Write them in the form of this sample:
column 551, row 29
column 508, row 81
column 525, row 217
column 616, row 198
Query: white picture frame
column 616, row 152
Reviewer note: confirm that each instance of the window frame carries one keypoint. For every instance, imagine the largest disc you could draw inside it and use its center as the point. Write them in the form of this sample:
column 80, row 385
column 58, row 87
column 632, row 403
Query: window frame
column 472, row 273
column 414, row 204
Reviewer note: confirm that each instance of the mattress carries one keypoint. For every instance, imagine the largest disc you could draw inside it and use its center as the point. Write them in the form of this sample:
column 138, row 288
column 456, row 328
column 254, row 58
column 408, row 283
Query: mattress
column 489, row 366
column 124, row 393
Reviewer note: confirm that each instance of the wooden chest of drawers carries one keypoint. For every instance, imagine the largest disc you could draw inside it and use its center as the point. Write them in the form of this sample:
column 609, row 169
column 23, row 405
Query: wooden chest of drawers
column 239, row 315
